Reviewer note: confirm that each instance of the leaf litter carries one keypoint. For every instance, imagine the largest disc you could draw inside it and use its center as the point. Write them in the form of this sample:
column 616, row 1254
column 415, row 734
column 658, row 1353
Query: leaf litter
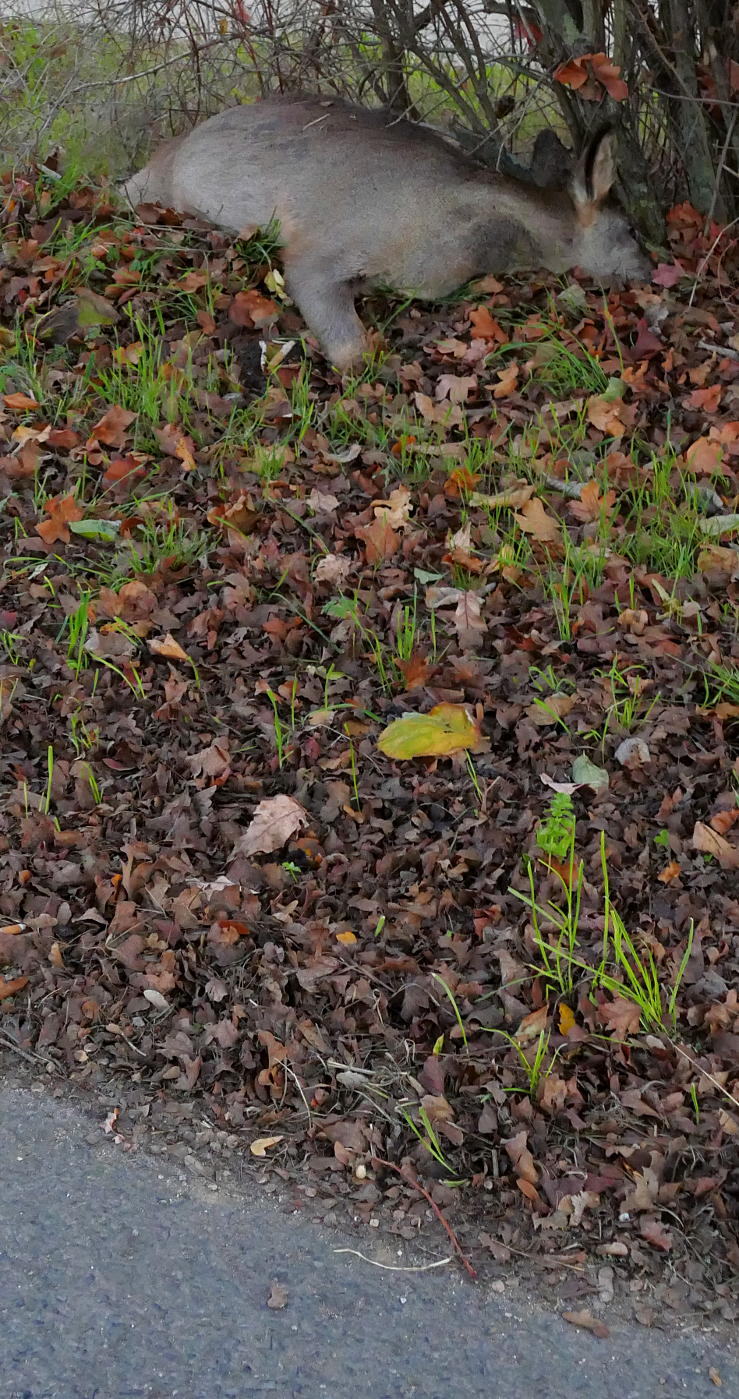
column 482, row 975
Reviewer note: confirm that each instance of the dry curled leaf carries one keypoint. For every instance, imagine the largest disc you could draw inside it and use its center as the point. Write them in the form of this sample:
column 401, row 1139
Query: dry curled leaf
column 275, row 820
column 711, row 843
column 251, row 308
column 655, row 1233
column 277, row 1299
column 9, row 988
column 521, row 1158
column 112, row 428
column 485, row 327
column 261, row 1145
column 177, row 443
column 332, row 568
column 167, row 647
column 20, row 402
column 589, row 74
column 61, row 510
column 468, row 619
column 588, row 1322
column 533, row 519
column 381, row 541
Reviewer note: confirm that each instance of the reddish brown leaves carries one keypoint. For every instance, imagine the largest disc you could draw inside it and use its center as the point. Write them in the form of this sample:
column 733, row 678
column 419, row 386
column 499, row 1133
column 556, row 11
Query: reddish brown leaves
column 112, row 429
column 60, row 511
column 20, row 402
column 9, row 988
column 590, row 74
column 250, row 308
column 485, row 327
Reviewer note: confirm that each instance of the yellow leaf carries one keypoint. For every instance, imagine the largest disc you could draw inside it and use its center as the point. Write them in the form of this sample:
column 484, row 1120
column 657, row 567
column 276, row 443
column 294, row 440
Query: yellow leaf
column 261, row 1145
column 566, row 1019
column 347, row 938
column 447, row 728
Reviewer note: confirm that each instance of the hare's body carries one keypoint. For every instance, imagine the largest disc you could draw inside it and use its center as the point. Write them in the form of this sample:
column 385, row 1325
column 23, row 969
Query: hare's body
column 364, row 200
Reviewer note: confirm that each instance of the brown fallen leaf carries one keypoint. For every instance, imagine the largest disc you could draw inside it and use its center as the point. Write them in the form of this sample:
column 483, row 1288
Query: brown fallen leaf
column 169, row 648
column 534, row 520
column 447, row 414
column 273, row 822
column 9, row 988
column 468, row 621
column 533, row 1025
column 529, row 1191
column 61, row 509
column 456, row 387
column 723, row 821
column 177, row 443
column 704, row 456
column 20, row 402
column 607, row 415
column 719, row 563
column 507, row 381
column 381, row 541
column 112, row 429
column 415, row 671
column 591, row 505
column 485, row 327
column 655, row 1234
column 251, row 308
column 261, row 1145
column 620, row 1015
column 550, row 710
column 277, row 1297
column 588, row 1322
column 521, row 1158
column 332, row 568
column 396, row 510
column 644, row 1194
column 711, row 843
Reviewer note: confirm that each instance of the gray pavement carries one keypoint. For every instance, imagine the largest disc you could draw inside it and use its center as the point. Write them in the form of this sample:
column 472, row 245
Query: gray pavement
column 118, row 1280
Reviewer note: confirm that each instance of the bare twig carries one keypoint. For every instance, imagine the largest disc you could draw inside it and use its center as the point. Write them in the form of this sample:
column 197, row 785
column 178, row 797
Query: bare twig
column 397, row 1267
column 706, row 258
column 411, row 1180
column 720, row 168
column 30, row 1056
column 724, row 350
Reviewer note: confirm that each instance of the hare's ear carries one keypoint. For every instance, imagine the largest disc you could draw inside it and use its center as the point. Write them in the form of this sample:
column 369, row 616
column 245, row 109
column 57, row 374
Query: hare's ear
column 595, row 172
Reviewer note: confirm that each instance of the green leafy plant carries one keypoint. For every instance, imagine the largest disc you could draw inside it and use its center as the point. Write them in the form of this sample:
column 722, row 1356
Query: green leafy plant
column 556, row 834
column 535, row 1067
column 430, row 1141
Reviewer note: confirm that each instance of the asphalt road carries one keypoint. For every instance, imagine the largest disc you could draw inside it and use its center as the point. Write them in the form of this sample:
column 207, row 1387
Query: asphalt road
column 119, row 1280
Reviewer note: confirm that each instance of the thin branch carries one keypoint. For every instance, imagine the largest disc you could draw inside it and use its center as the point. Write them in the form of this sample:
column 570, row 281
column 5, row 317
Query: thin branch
column 411, row 1180
column 721, row 168
column 397, row 1267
